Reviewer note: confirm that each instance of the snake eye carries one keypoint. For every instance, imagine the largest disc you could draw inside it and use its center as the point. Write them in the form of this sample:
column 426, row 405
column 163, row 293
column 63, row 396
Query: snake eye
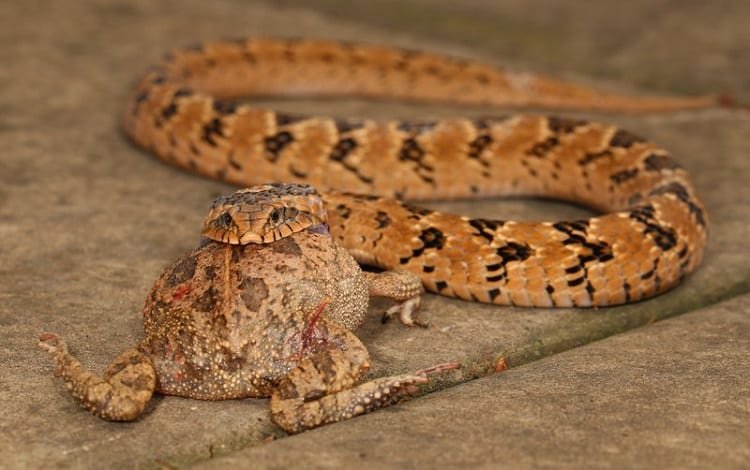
column 224, row 220
column 275, row 216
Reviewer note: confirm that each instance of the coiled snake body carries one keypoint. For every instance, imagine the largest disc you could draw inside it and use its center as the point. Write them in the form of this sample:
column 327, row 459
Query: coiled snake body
column 651, row 234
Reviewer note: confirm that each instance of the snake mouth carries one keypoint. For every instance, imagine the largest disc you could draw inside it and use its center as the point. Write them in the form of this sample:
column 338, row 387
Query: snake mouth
column 223, row 236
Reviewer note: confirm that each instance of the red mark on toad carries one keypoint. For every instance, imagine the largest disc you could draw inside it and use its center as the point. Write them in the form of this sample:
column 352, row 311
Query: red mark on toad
column 181, row 292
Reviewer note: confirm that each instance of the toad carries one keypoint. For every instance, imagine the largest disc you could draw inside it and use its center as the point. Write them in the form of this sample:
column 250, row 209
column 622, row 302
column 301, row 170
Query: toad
column 265, row 307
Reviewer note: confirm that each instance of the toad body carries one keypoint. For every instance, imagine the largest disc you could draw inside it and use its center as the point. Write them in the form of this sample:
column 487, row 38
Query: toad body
column 266, row 308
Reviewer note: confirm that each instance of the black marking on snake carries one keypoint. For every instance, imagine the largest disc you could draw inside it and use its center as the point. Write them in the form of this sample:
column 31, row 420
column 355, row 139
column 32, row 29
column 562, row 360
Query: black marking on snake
column 401, row 64
column 550, row 289
column 416, row 127
column 362, row 197
column 580, row 225
column 493, row 293
column 412, row 151
column 664, row 237
column 431, row 238
column 276, row 143
column 560, row 125
column 382, row 219
column 290, row 55
column 576, row 281
column 653, row 273
column 624, row 175
column 482, row 78
column 249, row 56
column 169, row 110
column 684, row 266
column 434, row 70
column 224, row 107
column 624, row 139
column 513, row 251
column 211, row 130
column 485, row 227
column 342, row 149
column 656, row 162
column 573, row 269
column 346, row 125
column 428, row 269
column 681, row 193
column 232, row 162
column 344, row 211
column 284, row 119
column 182, row 92
column 576, row 231
column 594, row 156
column 477, row 146
column 440, row 285
column 296, row 172
column 541, row 149
column 634, row 199
column 590, row 288
column 416, row 211
column 326, row 57
column 140, row 98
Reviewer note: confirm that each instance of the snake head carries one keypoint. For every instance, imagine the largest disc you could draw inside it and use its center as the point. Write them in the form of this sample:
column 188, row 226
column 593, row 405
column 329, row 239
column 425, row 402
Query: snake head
column 263, row 214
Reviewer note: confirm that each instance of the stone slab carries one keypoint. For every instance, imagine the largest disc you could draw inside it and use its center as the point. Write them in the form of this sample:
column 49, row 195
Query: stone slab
column 87, row 221
column 671, row 395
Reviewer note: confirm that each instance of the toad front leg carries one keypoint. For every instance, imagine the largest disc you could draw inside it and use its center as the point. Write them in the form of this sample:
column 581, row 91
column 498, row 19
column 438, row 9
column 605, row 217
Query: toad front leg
column 321, row 388
column 120, row 394
column 405, row 288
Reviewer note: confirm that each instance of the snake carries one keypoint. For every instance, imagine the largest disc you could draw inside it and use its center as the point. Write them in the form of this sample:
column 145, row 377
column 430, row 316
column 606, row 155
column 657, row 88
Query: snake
column 650, row 227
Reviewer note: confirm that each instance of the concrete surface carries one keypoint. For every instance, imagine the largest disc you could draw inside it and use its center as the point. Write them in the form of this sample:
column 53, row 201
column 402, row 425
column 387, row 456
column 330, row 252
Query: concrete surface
column 671, row 395
column 87, row 221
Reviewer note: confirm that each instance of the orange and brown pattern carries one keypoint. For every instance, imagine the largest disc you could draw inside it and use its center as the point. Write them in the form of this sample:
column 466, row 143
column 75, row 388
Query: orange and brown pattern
column 651, row 234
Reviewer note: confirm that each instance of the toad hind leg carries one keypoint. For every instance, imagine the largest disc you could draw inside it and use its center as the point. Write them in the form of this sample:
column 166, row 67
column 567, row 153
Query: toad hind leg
column 405, row 288
column 321, row 390
column 120, row 394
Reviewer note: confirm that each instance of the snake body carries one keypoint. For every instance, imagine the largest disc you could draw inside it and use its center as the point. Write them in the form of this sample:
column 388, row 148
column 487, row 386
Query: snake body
column 651, row 234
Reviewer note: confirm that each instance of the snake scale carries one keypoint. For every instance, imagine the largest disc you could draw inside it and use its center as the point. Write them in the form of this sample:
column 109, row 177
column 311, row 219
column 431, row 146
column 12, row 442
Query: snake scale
column 652, row 231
